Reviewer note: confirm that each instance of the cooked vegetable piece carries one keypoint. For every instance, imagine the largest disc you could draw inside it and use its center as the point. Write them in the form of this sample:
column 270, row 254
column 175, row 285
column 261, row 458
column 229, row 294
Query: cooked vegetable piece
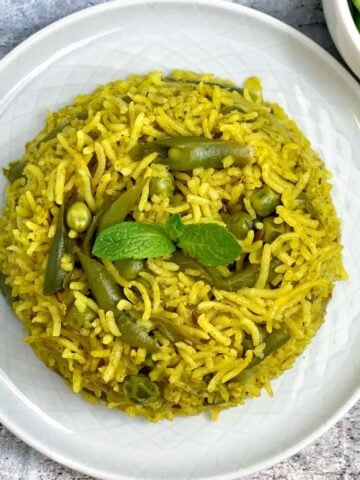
column 77, row 319
column 265, row 201
column 206, row 155
column 243, row 106
column 14, row 170
column 122, row 206
column 90, row 233
column 171, row 330
column 107, row 294
column 184, row 262
column 246, row 278
column 56, row 278
column 162, row 185
column 184, row 153
column 53, row 133
column 78, row 217
column 231, row 88
column 307, row 205
column 273, row 341
column 239, row 223
column 134, row 335
column 129, row 268
column 274, row 262
column 5, row 289
column 106, row 291
column 272, row 230
column 141, row 390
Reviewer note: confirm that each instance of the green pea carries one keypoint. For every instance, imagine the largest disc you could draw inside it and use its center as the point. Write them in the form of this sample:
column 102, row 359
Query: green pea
column 239, row 224
column 78, row 217
column 265, row 201
column 77, row 319
column 271, row 229
column 129, row 268
column 164, row 186
column 141, row 390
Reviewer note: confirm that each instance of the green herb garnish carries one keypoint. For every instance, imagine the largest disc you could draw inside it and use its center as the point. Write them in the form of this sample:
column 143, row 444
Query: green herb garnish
column 132, row 240
column 210, row 243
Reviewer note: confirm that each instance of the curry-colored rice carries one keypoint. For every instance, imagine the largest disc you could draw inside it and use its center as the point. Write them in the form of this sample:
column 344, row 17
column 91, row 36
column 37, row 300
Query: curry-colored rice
column 90, row 157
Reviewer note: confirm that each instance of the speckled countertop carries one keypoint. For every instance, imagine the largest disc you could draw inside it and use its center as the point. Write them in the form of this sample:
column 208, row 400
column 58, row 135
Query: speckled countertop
column 336, row 455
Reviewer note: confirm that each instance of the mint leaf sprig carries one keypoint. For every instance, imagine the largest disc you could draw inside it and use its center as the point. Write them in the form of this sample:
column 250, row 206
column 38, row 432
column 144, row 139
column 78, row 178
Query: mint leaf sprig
column 210, row 243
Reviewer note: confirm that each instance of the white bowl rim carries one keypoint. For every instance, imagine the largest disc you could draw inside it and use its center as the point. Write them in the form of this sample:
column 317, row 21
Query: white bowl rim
column 41, row 35
column 348, row 23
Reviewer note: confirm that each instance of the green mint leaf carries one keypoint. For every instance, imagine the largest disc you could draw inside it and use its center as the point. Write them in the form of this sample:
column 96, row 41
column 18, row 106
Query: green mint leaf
column 210, row 243
column 174, row 227
column 132, row 240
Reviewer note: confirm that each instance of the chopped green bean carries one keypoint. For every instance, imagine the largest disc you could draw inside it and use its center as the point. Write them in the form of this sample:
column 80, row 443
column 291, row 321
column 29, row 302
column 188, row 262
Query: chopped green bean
column 246, row 278
column 107, row 294
column 122, row 206
column 206, row 155
column 54, row 132
column 141, row 390
column 171, row 330
column 272, row 230
column 185, row 262
column 90, row 232
column 184, row 153
column 55, row 277
column 273, row 341
column 106, row 291
column 231, row 88
column 5, row 289
column 134, row 335
column 15, row 170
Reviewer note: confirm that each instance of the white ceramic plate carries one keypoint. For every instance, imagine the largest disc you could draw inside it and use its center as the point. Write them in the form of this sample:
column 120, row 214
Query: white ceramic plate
column 111, row 41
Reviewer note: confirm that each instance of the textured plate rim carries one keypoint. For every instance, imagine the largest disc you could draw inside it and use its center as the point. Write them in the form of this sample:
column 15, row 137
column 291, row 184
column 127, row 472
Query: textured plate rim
column 317, row 50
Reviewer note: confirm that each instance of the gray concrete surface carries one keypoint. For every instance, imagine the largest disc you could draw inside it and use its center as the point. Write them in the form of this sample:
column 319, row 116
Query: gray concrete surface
column 336, row 455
